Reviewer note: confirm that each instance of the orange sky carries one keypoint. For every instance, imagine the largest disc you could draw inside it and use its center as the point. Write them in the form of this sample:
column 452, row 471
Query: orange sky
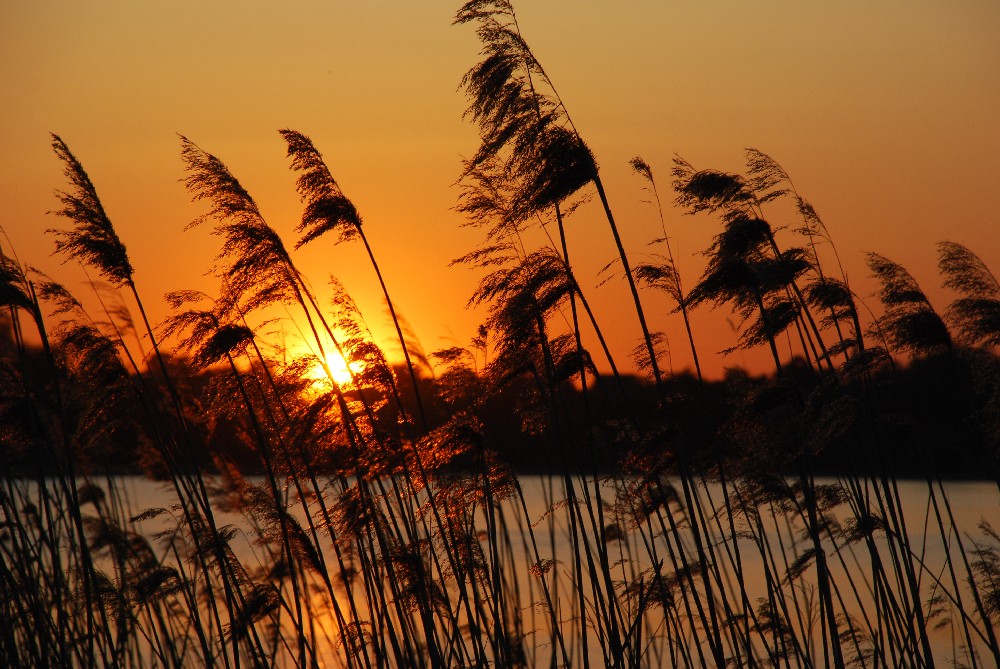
column 886, row 114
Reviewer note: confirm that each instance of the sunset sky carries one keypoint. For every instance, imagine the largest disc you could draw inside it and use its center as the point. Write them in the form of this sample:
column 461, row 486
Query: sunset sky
column 886, row 114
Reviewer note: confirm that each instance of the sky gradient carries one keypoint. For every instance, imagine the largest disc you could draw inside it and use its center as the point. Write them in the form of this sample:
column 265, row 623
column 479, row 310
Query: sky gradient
column 886, row 115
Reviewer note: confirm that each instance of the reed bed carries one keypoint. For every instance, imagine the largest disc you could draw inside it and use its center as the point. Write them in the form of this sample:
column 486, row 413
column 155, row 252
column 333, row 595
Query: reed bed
column 316, row 520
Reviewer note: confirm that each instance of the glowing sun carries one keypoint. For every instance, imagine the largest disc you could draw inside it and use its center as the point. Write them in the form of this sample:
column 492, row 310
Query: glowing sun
column 339, row 369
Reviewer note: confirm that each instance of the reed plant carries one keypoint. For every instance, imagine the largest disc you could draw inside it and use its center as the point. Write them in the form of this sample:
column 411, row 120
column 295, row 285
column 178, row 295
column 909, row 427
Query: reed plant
column 304, row 522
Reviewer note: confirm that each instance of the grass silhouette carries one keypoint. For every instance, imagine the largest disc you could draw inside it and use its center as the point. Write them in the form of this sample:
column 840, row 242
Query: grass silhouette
column 751, row 522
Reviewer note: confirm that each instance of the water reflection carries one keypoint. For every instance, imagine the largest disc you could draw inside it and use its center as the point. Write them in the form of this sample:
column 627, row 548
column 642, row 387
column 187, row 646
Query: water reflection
column 758, row 594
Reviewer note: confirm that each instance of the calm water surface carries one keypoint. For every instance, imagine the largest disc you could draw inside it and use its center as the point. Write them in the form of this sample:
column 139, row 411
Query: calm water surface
column 972, row 504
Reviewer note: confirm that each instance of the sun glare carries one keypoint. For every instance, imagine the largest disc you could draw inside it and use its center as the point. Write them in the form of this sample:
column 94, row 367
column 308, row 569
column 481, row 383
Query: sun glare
column 338, row 369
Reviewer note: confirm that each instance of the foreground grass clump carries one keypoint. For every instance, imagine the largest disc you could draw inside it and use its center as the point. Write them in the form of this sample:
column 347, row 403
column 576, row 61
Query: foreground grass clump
column 379, row 518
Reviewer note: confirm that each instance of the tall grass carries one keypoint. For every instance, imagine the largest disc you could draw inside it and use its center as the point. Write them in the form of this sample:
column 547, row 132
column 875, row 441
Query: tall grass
column 314, row 523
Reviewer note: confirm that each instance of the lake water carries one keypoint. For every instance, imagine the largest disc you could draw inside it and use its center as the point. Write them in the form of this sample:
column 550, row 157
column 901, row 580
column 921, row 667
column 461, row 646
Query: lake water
column 646, row 535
